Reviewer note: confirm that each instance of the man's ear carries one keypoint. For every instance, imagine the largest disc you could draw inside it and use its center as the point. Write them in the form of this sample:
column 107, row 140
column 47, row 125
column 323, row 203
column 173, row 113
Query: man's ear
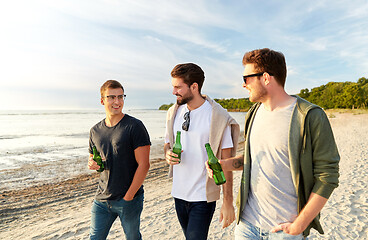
column 267, row 78
column 194, row 87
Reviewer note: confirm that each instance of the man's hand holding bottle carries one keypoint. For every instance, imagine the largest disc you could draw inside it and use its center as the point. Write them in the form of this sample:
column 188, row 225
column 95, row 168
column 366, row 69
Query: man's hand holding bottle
column 92, row 164
column 171, row 157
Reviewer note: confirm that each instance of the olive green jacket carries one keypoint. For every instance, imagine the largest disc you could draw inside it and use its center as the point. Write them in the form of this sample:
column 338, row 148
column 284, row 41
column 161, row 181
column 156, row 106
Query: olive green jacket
column 313, row 155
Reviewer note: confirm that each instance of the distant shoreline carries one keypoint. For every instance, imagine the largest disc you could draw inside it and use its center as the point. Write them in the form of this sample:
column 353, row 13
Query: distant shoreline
column 165, row 107
column 347, row 110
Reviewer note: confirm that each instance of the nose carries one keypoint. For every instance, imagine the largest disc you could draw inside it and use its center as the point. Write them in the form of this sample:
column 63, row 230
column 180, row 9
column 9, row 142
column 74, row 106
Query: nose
column 244, row 85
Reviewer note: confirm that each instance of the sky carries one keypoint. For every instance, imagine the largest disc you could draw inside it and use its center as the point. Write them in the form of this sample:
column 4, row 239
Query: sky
column 57, row 54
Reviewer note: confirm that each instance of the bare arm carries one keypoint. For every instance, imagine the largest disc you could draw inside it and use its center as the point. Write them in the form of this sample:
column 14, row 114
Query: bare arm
column 142, row 158
column 166, row 147
column 309, row 212
column 228, row 165
column 232, row 164
column 227, row 212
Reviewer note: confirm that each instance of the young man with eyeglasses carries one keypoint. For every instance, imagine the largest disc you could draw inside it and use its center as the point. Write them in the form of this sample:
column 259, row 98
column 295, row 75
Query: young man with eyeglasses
column 200, row 120
column 290, row 162
column 124, row 145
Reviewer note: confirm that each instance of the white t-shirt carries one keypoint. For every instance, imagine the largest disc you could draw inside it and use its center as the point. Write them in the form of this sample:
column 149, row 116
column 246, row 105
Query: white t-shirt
column 189, row 176
column 272, row 196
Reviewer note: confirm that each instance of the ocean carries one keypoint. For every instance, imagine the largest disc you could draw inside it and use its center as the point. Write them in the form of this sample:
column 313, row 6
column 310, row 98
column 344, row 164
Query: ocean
column 42, row 145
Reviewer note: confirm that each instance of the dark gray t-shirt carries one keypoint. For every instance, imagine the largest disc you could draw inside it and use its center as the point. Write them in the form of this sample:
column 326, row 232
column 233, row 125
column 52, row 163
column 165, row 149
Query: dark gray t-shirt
column 117, row 144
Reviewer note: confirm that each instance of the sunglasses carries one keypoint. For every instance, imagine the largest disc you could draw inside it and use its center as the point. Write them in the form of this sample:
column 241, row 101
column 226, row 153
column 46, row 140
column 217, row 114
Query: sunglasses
column 254, row 75
column 185, row 125
column 251, row 75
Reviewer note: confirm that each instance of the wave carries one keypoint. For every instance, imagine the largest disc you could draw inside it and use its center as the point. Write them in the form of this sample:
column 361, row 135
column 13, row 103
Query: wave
column 43, row 150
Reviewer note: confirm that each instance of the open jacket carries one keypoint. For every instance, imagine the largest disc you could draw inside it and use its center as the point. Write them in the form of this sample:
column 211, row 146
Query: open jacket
column 219, row 121
column 313, row 156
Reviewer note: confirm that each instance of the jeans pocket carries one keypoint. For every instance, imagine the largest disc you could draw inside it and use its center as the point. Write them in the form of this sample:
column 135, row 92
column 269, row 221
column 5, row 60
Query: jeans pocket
column 127, row 201
column 135, row 199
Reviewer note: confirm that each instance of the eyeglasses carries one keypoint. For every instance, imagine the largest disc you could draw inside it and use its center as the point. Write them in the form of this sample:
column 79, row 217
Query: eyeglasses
column 185, row 125
column 112, row 98
column 252, row 75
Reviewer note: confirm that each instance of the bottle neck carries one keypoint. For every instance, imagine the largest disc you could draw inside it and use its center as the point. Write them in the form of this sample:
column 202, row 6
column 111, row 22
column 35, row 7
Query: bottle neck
column 177, row 140
column 94, row 150
column 209, row 151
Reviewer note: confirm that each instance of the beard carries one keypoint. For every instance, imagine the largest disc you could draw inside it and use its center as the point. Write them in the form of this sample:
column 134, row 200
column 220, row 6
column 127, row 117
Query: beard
column 184, row 99
column 258, row 93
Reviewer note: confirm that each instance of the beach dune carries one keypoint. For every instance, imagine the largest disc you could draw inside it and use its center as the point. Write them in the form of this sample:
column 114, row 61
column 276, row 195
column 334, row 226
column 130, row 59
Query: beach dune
column 61, row 210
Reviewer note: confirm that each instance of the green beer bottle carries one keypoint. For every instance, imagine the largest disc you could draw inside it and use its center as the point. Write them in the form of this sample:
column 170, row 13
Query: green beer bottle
column 218, row 174
column 177, row 146
column 98, row 159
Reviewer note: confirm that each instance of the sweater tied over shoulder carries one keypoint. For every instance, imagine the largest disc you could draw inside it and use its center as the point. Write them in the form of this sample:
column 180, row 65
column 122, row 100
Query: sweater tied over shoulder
column 219, row 121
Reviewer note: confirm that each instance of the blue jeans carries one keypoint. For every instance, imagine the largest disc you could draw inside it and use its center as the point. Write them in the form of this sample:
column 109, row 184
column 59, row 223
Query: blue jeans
column 245, row 230
column 195, row 218
column 105, row 213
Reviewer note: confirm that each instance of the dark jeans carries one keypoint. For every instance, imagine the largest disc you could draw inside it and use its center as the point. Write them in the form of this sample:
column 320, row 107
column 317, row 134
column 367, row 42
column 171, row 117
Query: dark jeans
column 195, row 218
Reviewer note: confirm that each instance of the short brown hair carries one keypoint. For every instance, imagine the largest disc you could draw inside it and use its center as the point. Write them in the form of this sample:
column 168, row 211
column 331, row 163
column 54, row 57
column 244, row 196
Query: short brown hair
column 110, row 84
column 190, row 73
column 267, row 60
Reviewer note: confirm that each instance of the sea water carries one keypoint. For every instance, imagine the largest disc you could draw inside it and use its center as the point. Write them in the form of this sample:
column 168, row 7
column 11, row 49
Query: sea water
column 47, row 137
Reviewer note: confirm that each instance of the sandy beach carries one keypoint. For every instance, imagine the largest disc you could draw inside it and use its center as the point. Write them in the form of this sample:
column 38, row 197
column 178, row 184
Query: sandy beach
column 61, row 209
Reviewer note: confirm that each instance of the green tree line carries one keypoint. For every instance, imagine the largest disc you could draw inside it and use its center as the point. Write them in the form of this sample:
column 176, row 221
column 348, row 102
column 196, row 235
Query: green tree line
column 332, row 95
column 233, row 104
column 339, row 94
column 165, row 106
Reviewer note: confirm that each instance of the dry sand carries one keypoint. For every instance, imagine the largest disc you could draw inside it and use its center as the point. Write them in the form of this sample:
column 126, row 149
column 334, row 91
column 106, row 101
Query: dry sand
column 61, row 210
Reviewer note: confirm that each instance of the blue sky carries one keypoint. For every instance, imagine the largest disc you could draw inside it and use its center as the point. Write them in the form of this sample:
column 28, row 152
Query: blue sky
column 56, row 54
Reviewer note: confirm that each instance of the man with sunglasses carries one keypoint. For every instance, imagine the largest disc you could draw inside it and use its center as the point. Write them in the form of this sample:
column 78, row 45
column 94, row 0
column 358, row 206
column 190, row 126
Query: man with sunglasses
column 124, row 145
column 200, row 120
column 290, row 162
